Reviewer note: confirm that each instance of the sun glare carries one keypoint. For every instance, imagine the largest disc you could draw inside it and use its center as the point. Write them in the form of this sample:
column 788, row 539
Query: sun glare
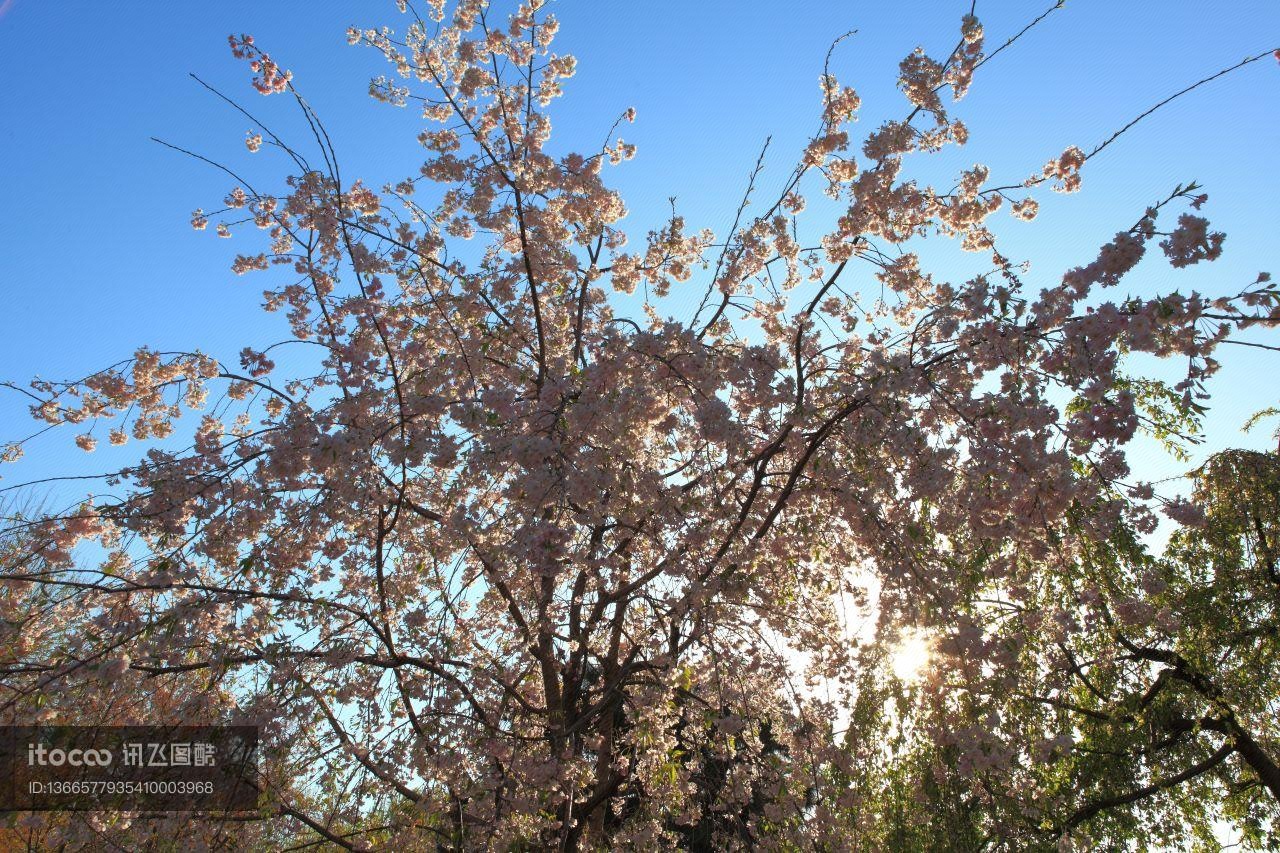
column 910, row 657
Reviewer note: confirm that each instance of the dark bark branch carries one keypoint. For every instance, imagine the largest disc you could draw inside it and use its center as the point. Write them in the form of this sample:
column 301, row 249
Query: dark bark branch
column 1098, row 806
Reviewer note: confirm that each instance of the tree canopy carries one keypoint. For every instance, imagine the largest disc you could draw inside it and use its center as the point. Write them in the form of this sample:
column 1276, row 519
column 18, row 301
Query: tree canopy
column 516, row 567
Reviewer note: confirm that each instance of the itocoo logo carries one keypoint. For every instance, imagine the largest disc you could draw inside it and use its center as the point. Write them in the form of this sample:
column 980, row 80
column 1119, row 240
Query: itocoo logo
column 39, row 754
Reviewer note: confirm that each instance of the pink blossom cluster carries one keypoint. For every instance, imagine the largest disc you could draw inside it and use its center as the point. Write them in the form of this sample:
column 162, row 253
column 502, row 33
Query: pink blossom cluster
column 271, row 79
column 1191, row 242
column 1065, row 170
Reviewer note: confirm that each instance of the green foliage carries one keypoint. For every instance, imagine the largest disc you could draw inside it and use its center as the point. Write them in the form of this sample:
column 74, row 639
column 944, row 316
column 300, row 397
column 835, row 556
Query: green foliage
column 1149, row 719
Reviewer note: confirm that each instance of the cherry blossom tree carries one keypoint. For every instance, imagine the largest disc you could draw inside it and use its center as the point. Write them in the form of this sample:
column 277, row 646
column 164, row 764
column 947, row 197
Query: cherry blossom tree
column 516, row 567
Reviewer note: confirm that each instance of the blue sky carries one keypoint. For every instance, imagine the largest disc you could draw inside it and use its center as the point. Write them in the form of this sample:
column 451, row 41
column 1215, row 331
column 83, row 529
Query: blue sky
column 98, row 257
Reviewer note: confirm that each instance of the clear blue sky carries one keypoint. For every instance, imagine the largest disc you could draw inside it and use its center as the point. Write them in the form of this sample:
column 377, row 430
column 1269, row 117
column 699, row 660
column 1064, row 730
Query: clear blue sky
column 98, row 257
